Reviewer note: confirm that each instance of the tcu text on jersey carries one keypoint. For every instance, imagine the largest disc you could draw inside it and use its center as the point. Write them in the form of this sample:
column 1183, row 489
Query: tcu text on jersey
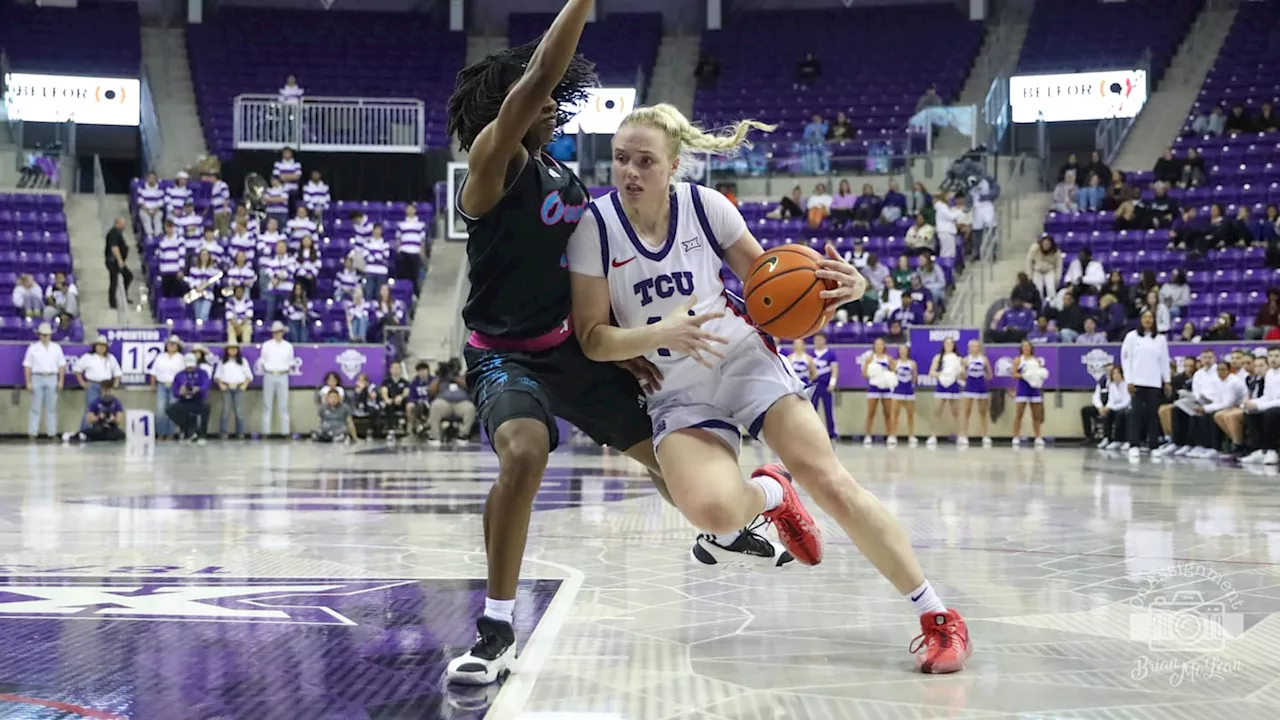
column 664, row 286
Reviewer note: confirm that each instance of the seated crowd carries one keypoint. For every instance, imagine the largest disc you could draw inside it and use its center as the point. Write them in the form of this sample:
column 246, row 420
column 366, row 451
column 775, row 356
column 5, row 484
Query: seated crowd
column 419, row 406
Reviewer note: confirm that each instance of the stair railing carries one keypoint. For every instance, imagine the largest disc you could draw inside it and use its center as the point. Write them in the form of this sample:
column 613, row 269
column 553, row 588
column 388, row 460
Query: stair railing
column 152, row 139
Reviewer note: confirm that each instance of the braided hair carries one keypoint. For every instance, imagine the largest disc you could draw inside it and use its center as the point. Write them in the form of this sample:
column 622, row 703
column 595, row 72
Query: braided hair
column 482, row 87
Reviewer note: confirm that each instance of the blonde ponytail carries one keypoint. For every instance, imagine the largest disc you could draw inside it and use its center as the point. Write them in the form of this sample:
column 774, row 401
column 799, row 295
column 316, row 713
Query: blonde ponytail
column 685, row 139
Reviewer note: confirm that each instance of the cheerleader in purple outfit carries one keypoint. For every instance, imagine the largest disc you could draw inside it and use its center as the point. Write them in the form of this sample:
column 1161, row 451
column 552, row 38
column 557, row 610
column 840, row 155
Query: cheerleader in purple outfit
column 877, row 397
column 904, row 396
column 1027, row 395
column 946, row 373
column 977, row 373
column 827, row 372
column 802, row 362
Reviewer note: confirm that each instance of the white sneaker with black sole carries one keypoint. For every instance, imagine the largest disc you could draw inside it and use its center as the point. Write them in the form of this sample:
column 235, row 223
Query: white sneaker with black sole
column 750, row 549
column 490, row 659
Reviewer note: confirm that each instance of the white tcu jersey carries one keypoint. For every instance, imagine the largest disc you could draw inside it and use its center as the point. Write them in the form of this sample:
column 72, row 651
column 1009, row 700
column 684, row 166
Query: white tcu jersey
column 646, row 284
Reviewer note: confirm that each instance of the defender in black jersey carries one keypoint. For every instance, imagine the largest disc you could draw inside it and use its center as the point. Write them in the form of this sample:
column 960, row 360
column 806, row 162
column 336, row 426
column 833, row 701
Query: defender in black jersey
column 525, row 366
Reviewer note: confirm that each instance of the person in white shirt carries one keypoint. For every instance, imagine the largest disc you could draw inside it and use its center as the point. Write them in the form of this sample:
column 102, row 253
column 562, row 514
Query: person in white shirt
column 298, row 227
column 190, row 227
column 315, row 197
column 1085, row 275
column 1232, row 420
column 28, row 298
column 45, row 368
column 177, row 196
column 289, row 170
column 172, row 256
column 239, row 312
column 944, row 221
column 151, row 202
column 232, row 377
column 411, row 250
column 92, row 370
column 276, row 198
column 164, row 369
column 1144, row 360
column 1223, row 390
column 276, row 361
column 919, row 240
column 1262, row 415
column 291, row 94
column 1114, row 413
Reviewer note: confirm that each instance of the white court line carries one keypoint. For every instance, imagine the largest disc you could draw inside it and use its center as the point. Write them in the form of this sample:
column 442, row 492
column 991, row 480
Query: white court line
column 514, row 695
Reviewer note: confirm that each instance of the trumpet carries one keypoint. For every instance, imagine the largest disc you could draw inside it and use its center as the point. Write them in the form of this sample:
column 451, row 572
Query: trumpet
column 196, row 292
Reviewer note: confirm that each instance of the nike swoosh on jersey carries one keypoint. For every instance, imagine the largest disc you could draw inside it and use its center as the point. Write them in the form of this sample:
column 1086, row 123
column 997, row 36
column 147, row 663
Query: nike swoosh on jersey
column 624, row 262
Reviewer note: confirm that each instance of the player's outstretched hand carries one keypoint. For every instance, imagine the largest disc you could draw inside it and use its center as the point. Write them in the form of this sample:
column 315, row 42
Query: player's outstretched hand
column 850, row 284
column 682, row 332
column 648, row 374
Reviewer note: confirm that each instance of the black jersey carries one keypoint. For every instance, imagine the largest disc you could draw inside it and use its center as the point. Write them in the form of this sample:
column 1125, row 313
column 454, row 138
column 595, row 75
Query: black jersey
column 519, row 273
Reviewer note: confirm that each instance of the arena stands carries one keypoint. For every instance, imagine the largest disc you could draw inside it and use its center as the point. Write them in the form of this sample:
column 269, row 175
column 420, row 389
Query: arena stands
column 34, row 241
column 865, row 72
column 100, row 40
column 616, row 62
column 379, row 55
column 1082, row 35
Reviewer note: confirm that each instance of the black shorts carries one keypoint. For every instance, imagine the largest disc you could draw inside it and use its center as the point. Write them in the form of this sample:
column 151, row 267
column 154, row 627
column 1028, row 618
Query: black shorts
column 600, row 399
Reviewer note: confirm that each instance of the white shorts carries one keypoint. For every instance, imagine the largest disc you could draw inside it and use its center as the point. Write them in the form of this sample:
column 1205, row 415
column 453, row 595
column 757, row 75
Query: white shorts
column 746, row 384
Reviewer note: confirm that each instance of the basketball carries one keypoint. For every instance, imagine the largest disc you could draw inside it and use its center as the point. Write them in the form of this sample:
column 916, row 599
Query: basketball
column 782, row 293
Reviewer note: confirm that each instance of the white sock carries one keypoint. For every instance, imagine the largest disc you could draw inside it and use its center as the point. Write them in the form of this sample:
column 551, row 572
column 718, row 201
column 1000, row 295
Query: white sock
column 727, row 539
column 503, row 610
column 925, row 600
column 772, row 491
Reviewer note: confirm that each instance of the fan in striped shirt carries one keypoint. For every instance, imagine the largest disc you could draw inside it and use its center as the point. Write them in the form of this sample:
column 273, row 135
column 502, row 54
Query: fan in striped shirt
column 357, row 311
column 171, row 252
column 315, row 196
column 299, row 226
column 244, row 214
column 388, row 310
column 291, row 94
column 198, row 278
column 299, row 312
column 242, row 242
column 276, row 198
column 348, row 278
column 191, row 226
column 308, row 265
column 241, row 273
column 288, row 170
column 267, row 240
column 177, row 195
column 151, row 204
column 239, row 311
column 377, row 253
column 211, row 245
column 362, row 228
column 411, row 235
column 219, row 202
column 281, row 268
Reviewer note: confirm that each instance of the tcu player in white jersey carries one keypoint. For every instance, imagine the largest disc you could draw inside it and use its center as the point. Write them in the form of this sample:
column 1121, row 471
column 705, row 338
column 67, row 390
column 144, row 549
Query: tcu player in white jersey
column 650, row 258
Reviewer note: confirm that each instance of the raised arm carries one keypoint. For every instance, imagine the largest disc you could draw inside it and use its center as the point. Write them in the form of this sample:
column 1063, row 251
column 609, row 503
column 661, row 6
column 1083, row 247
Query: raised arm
column 499, row 145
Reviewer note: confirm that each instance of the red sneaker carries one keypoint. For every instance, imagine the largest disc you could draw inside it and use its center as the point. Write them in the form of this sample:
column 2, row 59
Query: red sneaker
column 944, row 638
column 796, row 529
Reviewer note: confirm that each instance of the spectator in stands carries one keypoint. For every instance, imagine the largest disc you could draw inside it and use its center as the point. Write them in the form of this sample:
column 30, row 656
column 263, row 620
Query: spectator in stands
column 1188, row 333
column 842, row 205
column 920, row 202
column 331, row 383
column 267, row 241
column 177, row 195
column 1127, row 217
column 1044, row 265
column 1187, row 228
column 707, row 72
column 964, row 220
column 1176, row 294
column 240, row 274
column 1215, row 123
column 916, row 309
column 1042, row 333
column 1223, row 329
column 858, row 255
column 151, row 203
column 867, row 207
column 930, row 99
column 232, row 377
column 210, row 244
column 896, row 334
column 281, row 269
column 299, row 226
column 1071, row 165
column 348, row 278
column 1266, row 121
column 308, row 265
column 291, row 94
column 1070, row 318
column 219, row 202
column 919, row 239
column 841, row 130
column 789, row 208
column 1085, row 275
column 1268, row 316
column 357, row 312
column 1167, row 169
column 1151, row 303
column 1012, row 323
column 932, row 277
column 1091, row 196
column 894, row 206
column 889, row 300
column 276, row 198
column 190, row 227
column 377, row 256
column 299, row 313
column 1091, row 335
column 902, row 272
column 239, row 315
column 1064, row 194
column 1147, row 283
column 316, row 198
column 1119, row 193
column 1217, row 236
column 394, row 399
column 944, row 224
column 1115, row 286
column 62, row 300
column 1026, row 291
column 1243, row 228
column 28, row 297
column 1238, row 122
column 289, row 170
column 1268, row 228
column 1112, row 314
column 411, row 246
column 817, row 154
column 242, row 244
column 1096, row 168
column 922, row 297
column 387, row 311
column 171, row 254
column 200, row 280
column 1161, row 209
column 875, row 272
column 808, row 70
column 1193, row 172
column 361, row 227
column 250, row 219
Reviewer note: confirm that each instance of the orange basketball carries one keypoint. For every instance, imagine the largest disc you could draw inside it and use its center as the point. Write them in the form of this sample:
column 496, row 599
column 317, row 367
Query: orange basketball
column 782, row 292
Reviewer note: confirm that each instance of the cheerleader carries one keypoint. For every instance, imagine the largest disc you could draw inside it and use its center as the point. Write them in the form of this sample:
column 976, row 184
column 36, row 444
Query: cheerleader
column 1028, row 371
column 824, row 385
column 903, row 397
column 977, row 373
column 802, row 362
column 878, row 369
column 945, row 371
